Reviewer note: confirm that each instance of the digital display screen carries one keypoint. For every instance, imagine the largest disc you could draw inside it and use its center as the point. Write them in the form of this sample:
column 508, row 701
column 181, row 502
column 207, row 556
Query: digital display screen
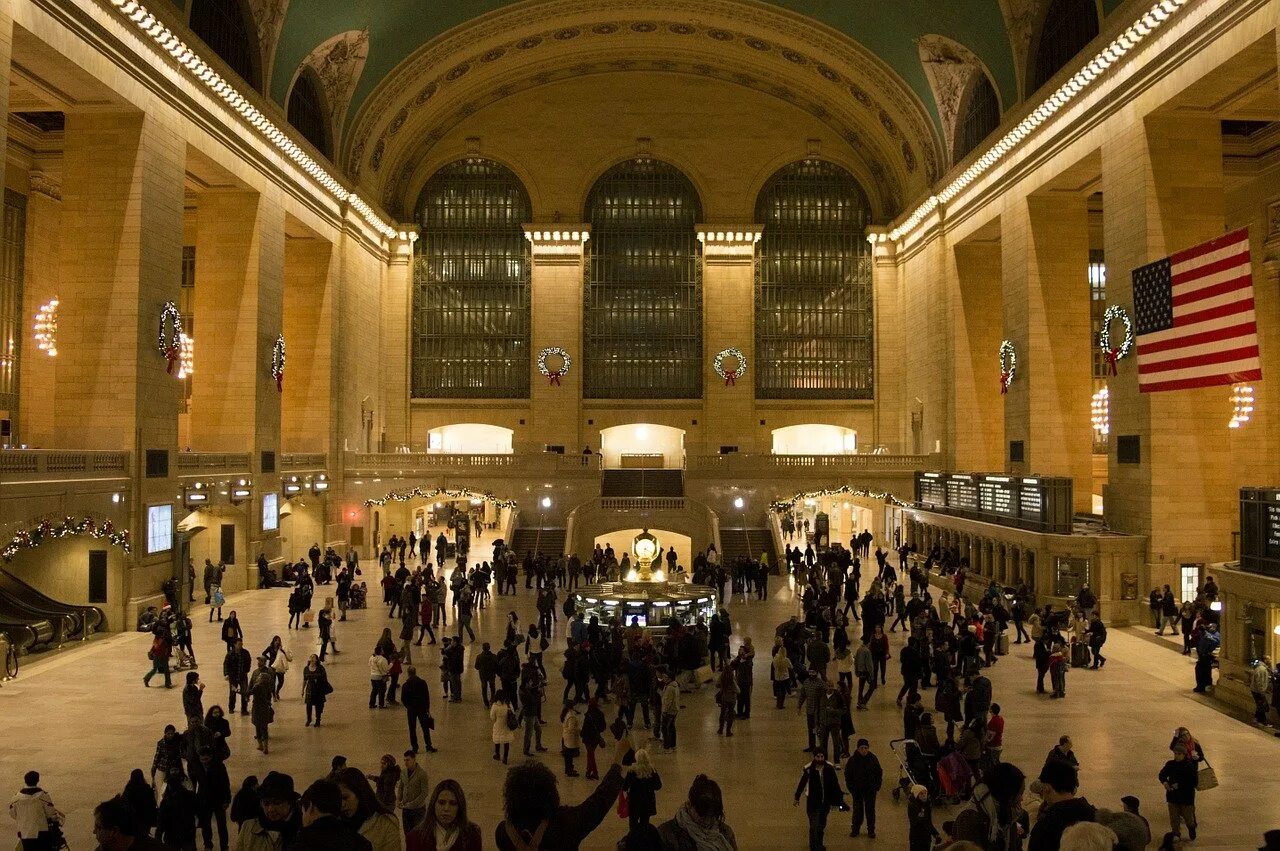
column 159, row 528
column 1260, row 530
column 270, row 511
column 1039, row 503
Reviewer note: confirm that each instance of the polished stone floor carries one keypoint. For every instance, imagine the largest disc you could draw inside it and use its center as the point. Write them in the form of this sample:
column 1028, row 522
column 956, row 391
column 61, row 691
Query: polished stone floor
column 83, row 719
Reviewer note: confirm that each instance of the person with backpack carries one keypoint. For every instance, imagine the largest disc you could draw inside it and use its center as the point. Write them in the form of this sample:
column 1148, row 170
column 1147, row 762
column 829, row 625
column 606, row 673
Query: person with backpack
column 38, row 819
column 535, row 820
column 505, row 723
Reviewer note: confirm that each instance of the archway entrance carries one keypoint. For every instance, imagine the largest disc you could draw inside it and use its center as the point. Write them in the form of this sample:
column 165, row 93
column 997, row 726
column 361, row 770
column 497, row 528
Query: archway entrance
column 219, row 533
column 621, row 540
column 642, row 446
column 815, row 439
column 468, row 520
column 470, row 439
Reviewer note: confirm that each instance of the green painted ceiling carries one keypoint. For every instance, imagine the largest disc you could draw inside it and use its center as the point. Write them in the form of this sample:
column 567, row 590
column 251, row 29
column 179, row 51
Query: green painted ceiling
column 888, row 28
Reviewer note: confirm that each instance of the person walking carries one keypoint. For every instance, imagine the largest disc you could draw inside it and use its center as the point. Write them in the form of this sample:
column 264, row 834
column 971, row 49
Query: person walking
column 315, row 688
column 262, row 688
column 39, row 822
column 1206, row 646
column 1260, row 688
column 213, row 796
column 864, row 669
column 570, row 737
column 780, row 674
column 593, row 727
column 379, row 672
column 505, row 723
column 921, row 833
column 1097, row 637
column 641, row 783
column 236, row 666
column 415, row 695
column 822, row 784
column 1180, row 777
column 411, row 792
column 864, row 777
column 670, row 708
column 159, row 654
column 445, row 827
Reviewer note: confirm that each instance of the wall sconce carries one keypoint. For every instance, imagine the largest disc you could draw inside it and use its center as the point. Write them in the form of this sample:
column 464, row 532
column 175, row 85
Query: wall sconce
column 738, row 502
column 546, row 502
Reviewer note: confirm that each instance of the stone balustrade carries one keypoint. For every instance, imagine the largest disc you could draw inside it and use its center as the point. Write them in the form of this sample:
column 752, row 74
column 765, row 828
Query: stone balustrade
column 54, row 465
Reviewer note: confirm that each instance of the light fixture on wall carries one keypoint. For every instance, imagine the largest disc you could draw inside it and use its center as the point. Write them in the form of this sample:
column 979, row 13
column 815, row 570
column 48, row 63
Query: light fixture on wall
column 546, row 502
column 738, row 502
column 47, row 328
column 1101, row 414
column 1241, row 405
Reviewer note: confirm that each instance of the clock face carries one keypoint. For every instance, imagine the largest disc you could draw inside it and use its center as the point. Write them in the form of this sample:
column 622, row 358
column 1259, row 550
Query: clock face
column 645, row 548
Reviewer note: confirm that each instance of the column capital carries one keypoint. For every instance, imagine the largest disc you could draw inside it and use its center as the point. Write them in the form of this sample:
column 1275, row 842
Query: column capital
column 729, row 243
column 883, row 249
column 557, row 243
column 402, row 243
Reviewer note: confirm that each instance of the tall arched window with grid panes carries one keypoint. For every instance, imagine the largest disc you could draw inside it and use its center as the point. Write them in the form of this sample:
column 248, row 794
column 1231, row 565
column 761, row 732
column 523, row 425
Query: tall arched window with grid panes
column 813, row 286
column 470, row 323
column 226, row 26
column 306, row 111
column 979, row 115
column 1068, row 26
column 642, row 324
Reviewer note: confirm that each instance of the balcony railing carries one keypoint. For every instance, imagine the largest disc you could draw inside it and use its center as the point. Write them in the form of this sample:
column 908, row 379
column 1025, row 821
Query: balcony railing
column 642, row 503
column 293, row 461
column 52, row 464
column 409, row 463
column 190, row 463
column 742, row 463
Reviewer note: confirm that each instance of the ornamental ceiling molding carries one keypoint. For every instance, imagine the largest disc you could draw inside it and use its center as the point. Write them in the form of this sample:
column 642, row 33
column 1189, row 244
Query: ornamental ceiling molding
column 338, row 64
column 951, row 68
column 268, row 17
column 414, row 164
column 755, row 32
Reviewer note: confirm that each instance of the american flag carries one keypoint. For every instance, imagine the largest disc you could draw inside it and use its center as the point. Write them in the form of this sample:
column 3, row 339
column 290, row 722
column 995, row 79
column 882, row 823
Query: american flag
column 1195, row 317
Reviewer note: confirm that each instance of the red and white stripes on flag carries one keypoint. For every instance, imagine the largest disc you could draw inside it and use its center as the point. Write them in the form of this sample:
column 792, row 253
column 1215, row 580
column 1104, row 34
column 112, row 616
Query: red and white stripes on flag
column 1195, row 318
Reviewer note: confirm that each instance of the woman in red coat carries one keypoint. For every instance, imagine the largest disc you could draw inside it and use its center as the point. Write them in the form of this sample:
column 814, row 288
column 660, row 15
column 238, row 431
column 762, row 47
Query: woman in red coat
column 445, row 826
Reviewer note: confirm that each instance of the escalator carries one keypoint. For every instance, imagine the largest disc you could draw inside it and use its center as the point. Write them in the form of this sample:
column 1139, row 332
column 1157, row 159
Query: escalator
column 34, row 621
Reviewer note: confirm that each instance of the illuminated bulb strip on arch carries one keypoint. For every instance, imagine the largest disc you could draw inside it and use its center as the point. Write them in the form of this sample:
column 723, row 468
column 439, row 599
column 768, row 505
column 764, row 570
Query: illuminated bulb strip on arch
column 167, row 40
column 1155, row 18
column 1241, row 405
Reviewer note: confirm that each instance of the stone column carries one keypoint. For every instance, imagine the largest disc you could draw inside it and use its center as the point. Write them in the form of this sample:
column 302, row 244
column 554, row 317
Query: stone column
column 40, row 286
column 238, row 298
column 976, row 334
column 397, row 301
column 122, row 201
column 309, row 277
column 1162, row 184
column 1045, row 257
column 728, row 287
column 556, row 408
column 893, row 426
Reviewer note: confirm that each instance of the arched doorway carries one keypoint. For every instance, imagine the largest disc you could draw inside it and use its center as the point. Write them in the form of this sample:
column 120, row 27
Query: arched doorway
column 470, row 439
column 621, row 539
column 219, row 533
column 815, row 439
column 642, row 445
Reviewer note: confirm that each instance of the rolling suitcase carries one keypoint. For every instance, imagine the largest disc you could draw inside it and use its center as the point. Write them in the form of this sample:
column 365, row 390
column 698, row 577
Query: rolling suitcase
column 1002, row 644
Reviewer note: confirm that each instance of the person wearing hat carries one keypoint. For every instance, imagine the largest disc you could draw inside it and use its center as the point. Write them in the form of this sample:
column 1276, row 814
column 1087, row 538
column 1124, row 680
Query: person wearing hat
column 920, row 830
column 864, row 777
column 822, row 783
column 279, row 820
column 1179, row 778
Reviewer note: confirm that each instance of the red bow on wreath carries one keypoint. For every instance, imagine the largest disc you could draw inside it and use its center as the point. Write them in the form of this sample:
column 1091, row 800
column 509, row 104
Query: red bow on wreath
column 1113, row 355
column 171, row 354
column 1004, row 382
column 730, row 378
column 279, row 382
column 554, row 376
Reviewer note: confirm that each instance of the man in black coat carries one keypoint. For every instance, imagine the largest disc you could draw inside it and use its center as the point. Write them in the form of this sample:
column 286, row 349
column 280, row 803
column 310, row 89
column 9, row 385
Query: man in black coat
column 823, row 785
column 213, row 796
column 864, row 777
column 323, row 828
column 235, row 668
column 416, row 697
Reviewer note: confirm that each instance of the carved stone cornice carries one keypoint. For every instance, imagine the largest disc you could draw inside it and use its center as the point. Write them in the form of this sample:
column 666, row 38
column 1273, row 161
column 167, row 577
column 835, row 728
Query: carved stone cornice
column 729, row 245
column 557, row 244
column 43, row 183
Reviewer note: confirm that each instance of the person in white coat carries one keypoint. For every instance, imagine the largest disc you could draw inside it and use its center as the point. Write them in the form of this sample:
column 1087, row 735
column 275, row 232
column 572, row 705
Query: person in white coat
column 38, row 819
column 503, row 733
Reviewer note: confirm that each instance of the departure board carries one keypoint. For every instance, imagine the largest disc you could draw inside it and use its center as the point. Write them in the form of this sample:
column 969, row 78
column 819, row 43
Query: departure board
column 1260, row 530
column 1025, row 502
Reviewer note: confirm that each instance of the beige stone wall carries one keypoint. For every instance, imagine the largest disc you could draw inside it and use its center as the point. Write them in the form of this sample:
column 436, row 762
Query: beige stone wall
column 977, row 332
column 306, row 416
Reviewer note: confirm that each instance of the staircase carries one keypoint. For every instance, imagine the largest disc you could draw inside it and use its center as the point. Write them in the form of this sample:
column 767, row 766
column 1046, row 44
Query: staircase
column 631, row 483
column 547, row 542
column 744, row 543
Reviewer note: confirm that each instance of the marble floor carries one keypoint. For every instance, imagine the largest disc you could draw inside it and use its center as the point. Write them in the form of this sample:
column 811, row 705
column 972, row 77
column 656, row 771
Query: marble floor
column 83, row 719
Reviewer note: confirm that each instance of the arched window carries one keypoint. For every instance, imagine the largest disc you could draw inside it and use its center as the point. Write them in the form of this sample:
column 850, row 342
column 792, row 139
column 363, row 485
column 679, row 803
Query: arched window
column 642, row 328
column 980, row 115
column 813, row 286
column 471, row 285
column 1068, row 26
column 225, row 25
column 306, row 111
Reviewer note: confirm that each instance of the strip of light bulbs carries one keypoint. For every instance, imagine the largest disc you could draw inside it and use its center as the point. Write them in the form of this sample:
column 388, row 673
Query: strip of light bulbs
column 165, row 38
column 1156, row 17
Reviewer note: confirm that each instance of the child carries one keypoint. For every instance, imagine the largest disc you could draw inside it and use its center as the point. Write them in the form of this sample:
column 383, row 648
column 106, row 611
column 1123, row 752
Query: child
column 217, row 599
column 1058, row 664
column 570, row 738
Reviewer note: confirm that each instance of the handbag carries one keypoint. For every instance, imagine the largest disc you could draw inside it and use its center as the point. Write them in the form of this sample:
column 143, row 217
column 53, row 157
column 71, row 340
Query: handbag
column 624, row 806
column 1206, row 777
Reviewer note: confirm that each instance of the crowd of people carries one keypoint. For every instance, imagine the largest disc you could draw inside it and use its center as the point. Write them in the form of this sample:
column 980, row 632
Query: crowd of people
column 949, row 754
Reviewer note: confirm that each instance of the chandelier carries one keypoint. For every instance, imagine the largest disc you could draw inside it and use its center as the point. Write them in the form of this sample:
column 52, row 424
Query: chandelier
column 47, row 328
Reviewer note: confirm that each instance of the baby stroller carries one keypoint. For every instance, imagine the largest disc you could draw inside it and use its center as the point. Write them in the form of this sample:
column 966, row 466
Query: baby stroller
column 955, row 778
column 916, row 767
column 358, row 597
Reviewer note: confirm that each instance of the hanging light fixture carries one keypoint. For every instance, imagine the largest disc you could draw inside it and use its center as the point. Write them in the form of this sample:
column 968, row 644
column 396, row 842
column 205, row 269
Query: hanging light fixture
column 1101, row 410
column 47, row 328
column 1241, row 405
